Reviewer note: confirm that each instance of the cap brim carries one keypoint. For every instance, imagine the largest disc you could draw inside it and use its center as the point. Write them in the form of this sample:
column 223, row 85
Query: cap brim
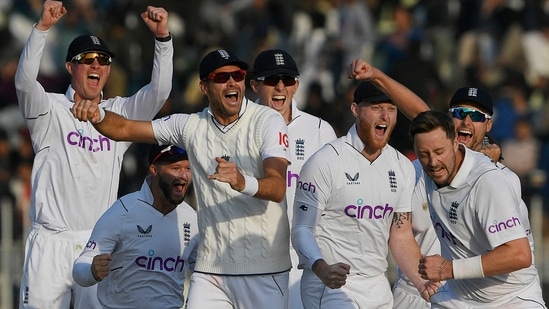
column 277, row 71
column 374, row 99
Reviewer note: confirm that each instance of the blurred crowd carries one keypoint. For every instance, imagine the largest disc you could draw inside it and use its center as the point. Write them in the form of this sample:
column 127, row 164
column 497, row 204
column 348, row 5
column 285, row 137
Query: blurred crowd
column 431, row 46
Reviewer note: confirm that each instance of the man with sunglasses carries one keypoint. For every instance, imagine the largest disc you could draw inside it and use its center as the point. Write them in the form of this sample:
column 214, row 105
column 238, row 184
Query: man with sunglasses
column 142, row 247
column 275, row 80
column 471, row 111
column 76, row 169
column 239, row 155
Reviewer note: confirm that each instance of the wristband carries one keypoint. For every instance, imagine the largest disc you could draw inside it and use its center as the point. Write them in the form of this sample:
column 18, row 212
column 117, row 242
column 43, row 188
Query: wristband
column 101, row 115
column 468, row 268
column 164, row 39
column 251, row 186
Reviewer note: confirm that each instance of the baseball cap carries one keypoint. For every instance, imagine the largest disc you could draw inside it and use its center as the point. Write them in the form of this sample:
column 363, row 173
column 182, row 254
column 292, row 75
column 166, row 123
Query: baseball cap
column 216, row 59
column 274, row 62
column 85, row 43
column 166, row 154
column 473, row 96
column 366, row 91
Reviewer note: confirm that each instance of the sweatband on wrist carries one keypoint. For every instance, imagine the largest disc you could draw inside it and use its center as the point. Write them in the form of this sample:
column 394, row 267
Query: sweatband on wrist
column 251, row 186
column 101, row 115
column 164, row 39
column 468, row 268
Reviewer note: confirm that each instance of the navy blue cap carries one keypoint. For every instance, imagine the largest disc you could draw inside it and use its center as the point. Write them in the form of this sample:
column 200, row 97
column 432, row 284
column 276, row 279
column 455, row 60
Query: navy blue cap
column 87, row 43
column 366, row 91
column 216, row 59
column 274, row 62
column 473, row 96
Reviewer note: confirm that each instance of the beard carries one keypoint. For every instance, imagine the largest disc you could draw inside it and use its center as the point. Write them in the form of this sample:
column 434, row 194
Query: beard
column 167, row 191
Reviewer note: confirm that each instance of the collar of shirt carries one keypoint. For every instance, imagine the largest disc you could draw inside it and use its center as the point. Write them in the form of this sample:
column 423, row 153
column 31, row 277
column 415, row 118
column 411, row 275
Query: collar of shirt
column 70, row 94
column 225, row 128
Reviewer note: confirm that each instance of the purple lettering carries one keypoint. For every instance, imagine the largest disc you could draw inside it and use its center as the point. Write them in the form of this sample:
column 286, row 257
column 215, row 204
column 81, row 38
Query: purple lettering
column 169, row 264
column 306, row 186
column 501, row 226
column 290, row 177
column 376, row 212
column 100, row 144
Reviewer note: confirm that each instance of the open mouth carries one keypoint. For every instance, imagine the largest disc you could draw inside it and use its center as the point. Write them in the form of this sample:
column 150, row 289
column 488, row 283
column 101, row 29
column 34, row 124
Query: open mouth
column 465, row 136
column 93, row 79
column 278, row 101
column 232, row 96
column 381, row 129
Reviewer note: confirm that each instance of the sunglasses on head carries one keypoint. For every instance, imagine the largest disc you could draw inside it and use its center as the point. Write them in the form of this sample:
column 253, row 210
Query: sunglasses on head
column 475, row 115
column 169, row 150
column 223, row 77
column 88, row 58
column 274, row 79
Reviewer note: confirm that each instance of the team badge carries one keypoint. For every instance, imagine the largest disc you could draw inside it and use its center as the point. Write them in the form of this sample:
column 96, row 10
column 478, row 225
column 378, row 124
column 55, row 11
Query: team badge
column 392, row 181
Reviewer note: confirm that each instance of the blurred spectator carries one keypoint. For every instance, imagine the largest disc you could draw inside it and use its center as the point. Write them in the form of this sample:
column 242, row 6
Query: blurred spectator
column 521, row 154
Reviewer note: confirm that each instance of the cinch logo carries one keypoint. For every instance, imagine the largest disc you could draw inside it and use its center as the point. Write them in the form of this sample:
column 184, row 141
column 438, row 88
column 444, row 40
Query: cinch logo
column 144, row 233
column 290, row 177
column 169, row 264
column 283, row 139
column 445, row 234
column 306, row 186
column 367, row 211
column 500, row 226
column 91, row 244
column 85, row 142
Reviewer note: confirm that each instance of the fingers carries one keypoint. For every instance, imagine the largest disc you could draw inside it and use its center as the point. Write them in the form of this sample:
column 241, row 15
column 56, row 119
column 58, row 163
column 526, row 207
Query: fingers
column 85, row 110
column 156, row 14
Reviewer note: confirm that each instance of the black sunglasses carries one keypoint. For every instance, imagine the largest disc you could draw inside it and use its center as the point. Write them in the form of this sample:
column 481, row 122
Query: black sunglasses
column 462, row 112
column 88, row 58
column 223, row 77
column 274, row 79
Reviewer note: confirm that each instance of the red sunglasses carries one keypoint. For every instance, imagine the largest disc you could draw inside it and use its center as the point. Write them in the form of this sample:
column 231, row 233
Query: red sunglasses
column 223, row 77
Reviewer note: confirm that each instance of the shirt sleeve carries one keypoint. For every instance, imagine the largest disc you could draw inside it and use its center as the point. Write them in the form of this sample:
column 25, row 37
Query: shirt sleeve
column 275, row 138
column 104, row 238
column 169, row 129
column 309, row 206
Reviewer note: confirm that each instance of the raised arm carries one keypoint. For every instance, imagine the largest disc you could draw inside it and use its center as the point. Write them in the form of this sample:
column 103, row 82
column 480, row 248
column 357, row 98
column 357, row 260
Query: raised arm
column 406, row 100
column 113, row 125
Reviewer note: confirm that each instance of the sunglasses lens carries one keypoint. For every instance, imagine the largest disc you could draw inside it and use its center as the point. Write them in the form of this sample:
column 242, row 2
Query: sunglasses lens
column 223, row 77
column 461, row 114
column 274, row 79
column 88, row 58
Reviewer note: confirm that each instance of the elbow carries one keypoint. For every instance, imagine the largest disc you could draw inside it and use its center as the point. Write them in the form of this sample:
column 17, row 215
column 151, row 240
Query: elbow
column 523, row 259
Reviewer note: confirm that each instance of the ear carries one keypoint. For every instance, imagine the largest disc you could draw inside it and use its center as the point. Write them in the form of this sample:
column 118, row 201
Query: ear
column 69, row 67
column 354, row 109
column 152, row 169
column 489, row 124
column 254, row 85
column 203, row 87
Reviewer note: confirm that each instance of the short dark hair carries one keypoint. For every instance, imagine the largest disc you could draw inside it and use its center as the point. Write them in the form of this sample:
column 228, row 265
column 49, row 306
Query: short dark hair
column 431, row 120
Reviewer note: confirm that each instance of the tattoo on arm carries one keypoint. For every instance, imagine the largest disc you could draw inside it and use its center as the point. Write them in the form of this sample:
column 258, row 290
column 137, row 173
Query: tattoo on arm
column 399, row 217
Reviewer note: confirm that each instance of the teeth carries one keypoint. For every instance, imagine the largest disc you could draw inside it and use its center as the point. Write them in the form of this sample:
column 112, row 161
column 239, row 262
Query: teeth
column 279, row 97
column 94, row 76
column 231, row 93
column 382, row 125
column 465, row 132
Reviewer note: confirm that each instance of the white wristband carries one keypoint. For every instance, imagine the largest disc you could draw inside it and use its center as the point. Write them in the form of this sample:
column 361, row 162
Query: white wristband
column 468, row 268
column 101, row 115
column 251, row 187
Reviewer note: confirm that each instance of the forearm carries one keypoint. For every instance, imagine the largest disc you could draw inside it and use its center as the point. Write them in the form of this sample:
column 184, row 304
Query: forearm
column 405, row 99
column 81, row 272
column 406, row 254
column 119, row 128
